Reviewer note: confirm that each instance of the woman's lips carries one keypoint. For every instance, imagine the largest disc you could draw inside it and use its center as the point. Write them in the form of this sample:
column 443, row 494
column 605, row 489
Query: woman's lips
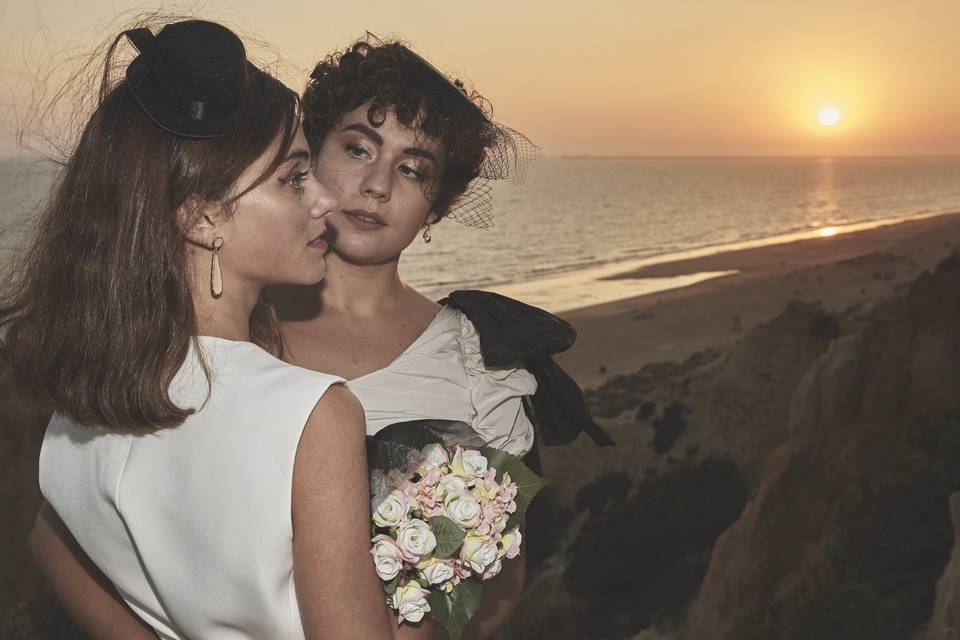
column 318, row 243
column 364, row 220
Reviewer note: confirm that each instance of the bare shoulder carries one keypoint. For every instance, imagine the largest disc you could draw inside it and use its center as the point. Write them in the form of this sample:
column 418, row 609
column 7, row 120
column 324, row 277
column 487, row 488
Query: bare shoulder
column 331, row 455
column 337, row 413
column 338, row 401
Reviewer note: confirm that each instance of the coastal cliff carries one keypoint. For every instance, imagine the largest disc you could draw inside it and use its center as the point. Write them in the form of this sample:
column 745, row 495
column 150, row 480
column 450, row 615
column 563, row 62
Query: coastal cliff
column 795, row 486
column 851, row 517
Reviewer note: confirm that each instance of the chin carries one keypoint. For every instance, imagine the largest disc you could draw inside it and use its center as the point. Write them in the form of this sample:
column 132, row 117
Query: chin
column 313, row 274
column 365, row 257
column 318, row 274
column 365, row 251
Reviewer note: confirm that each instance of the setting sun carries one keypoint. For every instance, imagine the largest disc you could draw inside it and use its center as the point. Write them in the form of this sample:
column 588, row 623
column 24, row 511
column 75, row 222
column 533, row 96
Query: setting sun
column 828, row 116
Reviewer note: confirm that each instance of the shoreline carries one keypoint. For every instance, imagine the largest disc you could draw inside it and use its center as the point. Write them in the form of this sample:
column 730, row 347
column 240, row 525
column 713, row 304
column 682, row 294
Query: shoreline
column 582, row 288
column 853, row 268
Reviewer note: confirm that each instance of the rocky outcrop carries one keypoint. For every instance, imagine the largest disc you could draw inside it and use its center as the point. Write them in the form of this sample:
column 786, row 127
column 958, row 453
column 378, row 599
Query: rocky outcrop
column 851, row 433
column 733, row 403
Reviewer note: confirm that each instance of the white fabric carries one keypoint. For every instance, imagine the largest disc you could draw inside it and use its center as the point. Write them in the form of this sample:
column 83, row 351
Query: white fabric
column 192, row 524
column 441, row 376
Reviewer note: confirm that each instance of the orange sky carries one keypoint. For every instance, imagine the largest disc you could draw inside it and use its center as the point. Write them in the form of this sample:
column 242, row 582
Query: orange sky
column 685, row 77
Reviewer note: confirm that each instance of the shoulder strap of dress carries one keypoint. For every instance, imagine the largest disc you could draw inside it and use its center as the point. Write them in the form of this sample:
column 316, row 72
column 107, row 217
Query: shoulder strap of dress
column 513, row 332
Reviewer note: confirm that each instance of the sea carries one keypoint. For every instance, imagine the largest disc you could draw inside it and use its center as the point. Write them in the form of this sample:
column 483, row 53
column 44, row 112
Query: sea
column 576, row 221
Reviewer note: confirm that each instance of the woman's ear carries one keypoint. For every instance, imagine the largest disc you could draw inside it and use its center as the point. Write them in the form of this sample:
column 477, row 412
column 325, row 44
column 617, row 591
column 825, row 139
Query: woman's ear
column 200, row 221
column 431, row 218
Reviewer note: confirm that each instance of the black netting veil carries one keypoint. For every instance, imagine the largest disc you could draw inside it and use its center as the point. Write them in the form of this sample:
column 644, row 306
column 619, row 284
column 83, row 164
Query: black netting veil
column 506, row 155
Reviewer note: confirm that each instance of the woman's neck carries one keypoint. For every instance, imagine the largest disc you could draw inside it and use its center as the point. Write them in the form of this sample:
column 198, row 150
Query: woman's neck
column 361, row 290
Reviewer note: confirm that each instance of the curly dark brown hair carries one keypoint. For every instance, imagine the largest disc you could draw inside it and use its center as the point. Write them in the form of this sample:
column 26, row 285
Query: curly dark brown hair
column 387, row 76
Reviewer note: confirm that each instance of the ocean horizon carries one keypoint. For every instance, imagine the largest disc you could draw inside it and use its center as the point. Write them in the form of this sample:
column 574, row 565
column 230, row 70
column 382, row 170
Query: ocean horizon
column 577, row 220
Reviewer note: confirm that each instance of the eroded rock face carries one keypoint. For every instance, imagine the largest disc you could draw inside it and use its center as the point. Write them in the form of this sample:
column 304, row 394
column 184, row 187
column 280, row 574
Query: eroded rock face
column 734, row 402
column 740, row 407
column 851, row 429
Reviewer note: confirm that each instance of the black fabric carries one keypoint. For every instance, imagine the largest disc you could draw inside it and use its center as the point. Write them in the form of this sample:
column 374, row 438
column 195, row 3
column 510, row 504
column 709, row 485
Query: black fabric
column 513, row 333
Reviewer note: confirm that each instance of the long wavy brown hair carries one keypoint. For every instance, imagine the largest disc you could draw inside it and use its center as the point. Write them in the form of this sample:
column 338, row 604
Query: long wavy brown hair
column 98, row 317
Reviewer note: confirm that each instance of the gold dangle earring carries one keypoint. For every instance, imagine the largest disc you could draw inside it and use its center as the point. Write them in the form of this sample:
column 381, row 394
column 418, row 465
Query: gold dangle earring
column 426, row 234
column 216, row 275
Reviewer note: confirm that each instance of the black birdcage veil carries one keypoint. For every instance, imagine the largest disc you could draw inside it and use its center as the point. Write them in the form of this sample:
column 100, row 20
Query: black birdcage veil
column 506, row 155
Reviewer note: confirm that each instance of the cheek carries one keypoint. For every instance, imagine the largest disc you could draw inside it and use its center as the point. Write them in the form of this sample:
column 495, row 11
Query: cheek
column 341, row 184
column 268, row 236
column 337, row 177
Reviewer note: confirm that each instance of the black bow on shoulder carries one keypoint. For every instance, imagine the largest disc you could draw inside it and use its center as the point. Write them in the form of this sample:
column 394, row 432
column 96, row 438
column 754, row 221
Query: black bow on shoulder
column 513, row 333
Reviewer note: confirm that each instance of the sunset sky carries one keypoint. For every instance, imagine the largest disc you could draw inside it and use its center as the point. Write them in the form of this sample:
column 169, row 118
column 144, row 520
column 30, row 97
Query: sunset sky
column 685, row 77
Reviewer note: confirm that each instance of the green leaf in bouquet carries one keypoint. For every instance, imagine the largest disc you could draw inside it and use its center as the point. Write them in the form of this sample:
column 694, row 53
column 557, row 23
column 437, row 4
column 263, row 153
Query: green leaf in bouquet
column 453, row 610
column 390, row 588
column 528, row 483
column 449, row 536
column 388, row 448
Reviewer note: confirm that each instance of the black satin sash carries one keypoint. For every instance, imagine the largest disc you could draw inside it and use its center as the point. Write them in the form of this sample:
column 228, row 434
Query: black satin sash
column 516, row 334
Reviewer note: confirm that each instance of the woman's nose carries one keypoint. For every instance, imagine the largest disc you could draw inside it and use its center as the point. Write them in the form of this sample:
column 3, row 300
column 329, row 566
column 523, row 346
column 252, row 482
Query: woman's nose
column 324, row 202
column 376, row 183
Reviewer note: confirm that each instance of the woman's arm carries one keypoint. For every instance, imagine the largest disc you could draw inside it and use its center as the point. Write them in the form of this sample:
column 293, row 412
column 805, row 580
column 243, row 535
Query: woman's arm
column 83, row 591
column 338, row 588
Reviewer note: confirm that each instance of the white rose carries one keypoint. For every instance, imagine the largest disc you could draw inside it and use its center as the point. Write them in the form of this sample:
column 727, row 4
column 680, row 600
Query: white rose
column 436, row 571
column 391, row 510
column 478, row 552
column 386, row 557
column 468, row 463
column 463, row 509
column 434, row 455
column 451, row 484
column 410, row 601
column 415, row 538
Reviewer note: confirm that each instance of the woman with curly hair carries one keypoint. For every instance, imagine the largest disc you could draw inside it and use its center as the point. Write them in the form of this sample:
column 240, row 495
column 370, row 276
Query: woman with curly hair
column 403, row 148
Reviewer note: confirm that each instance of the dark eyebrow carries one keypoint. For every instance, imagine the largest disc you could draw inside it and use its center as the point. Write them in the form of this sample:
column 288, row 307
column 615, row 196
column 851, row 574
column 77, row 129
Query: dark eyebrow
column 378, row 139
column 299, row 154
column 365, row 130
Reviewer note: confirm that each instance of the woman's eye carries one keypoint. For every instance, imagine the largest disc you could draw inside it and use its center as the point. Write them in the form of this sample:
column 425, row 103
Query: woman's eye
column 296, row 181
column 410, row 172
column 357, row 151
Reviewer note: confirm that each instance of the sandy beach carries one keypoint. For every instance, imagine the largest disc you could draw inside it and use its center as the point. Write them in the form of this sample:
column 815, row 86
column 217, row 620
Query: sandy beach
column 840, row 271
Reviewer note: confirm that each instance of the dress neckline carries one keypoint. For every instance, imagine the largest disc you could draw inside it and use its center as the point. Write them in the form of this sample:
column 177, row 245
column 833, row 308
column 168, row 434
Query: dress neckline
column 416, row 342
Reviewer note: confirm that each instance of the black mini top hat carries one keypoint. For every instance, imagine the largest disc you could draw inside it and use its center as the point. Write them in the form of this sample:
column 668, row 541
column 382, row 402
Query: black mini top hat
column 193, row 79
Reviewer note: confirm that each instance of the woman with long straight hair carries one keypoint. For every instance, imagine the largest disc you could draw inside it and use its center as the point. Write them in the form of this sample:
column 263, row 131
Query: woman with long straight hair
column 221, row 491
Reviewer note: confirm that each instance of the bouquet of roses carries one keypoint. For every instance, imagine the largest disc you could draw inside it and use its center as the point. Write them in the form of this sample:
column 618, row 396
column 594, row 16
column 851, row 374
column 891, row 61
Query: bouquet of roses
column 445, row 518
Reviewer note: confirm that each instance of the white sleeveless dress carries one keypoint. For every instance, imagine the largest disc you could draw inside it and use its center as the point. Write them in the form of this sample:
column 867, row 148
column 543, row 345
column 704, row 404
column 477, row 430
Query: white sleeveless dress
column 441, row 376
column 192, row 524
